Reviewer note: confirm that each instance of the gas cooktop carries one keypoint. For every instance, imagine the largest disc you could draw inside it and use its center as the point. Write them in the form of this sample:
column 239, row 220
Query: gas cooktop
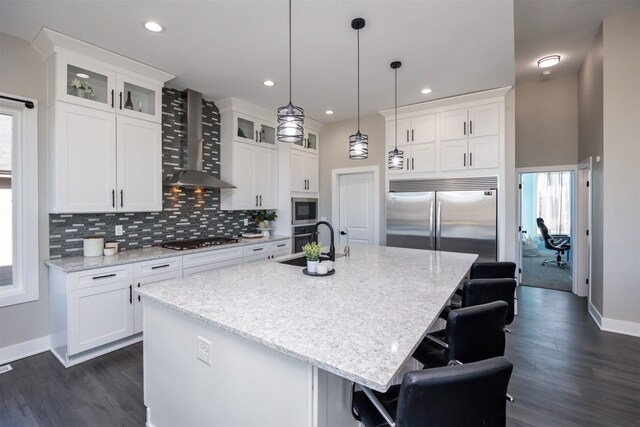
column 181, row 245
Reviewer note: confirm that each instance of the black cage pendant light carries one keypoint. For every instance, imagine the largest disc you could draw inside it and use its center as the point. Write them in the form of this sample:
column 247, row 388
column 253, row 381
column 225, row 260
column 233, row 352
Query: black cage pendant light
column 396, row 157
column 290, row 117
column 358, row 142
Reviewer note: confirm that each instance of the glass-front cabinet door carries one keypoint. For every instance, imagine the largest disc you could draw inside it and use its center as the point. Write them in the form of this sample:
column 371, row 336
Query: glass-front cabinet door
column 312, row 141
column 246, row 129
column 83, row 83
column 139, row 99
column 267, row 135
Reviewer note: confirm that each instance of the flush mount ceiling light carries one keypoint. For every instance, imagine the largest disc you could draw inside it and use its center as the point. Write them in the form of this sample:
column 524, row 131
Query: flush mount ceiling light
column 426, row 91
column 269, row 83
column 328, row 112
column 358, row 142
column 396, row 157
column 548, row 61
column 290, row 117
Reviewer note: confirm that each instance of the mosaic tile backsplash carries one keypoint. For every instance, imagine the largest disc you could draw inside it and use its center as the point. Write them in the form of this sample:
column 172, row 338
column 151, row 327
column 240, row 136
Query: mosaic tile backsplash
column 186, row 213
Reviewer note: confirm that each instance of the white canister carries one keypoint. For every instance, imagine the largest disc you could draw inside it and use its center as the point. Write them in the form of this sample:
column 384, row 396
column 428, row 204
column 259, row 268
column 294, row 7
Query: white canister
column 93, row 246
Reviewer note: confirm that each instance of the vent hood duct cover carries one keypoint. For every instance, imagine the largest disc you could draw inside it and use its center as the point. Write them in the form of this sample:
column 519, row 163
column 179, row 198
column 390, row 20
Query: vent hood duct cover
column 193, row 176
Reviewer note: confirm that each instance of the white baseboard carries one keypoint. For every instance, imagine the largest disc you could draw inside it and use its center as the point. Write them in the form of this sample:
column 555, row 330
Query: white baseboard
column 24, row 349
column 614, row 325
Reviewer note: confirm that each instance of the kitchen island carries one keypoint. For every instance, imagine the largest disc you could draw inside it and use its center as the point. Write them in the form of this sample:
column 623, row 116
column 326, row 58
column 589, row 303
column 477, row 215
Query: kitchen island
column 264, row 344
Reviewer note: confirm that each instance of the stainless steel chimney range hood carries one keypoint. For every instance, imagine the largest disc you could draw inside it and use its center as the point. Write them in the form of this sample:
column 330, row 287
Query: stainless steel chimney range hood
column 194, row 176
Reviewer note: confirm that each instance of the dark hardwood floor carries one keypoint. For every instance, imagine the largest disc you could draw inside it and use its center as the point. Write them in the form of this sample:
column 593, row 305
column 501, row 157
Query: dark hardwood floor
column 566, row 372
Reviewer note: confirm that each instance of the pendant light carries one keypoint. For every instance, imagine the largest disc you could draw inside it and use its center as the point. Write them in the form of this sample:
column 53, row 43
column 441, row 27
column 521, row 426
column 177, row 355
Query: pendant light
column 358, row 143
column 396, row 157
column 290, row 117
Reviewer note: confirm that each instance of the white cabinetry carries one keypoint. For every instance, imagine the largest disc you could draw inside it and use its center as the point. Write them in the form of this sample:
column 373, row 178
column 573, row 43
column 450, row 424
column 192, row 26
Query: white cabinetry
column 309, row 142
column 105, row 142
column 303, row 171
column 248, row 158
column 266, row 251
column 416, row 138
column 470, row 138
column 417, row 130
column 210, row 260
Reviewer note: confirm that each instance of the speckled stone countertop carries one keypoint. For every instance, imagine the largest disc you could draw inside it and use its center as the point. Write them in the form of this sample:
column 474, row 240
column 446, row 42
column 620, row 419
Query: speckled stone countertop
column 362, row 323
column 78, row 263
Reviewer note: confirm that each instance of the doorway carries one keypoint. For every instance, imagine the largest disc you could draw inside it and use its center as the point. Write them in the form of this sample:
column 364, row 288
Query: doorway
column 355, row 205
column 547, row 200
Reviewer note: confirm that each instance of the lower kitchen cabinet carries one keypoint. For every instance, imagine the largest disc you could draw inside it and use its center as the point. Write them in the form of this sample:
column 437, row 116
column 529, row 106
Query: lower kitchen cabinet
column 210, row 260
column 266, row 251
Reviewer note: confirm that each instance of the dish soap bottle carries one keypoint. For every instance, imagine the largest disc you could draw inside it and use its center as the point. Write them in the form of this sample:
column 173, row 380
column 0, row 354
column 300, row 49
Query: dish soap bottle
column 128, row 105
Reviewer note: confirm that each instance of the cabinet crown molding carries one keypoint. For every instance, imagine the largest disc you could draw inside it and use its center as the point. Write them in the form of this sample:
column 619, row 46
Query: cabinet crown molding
column 483, row 97
column 48, row 42
column 244, row 107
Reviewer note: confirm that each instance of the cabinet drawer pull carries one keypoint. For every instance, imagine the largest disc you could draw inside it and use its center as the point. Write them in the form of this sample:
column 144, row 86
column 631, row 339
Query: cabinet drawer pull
column 282, row 245
column 113, row 198
column 256, row 136
column 121, row 100
column 464, row 128
column 256, row 200
column 121, row 198
column 130, row 294
column 412, row 164
column 464, row 159
column 104, row 276
column 407, row 135
column 260, row 136
column 159, row 266
column 112, row 98
column 470, row 130
column 470, row 159
column 257, row 249
column 138, row 298
column 411, row 134
column 261, row 200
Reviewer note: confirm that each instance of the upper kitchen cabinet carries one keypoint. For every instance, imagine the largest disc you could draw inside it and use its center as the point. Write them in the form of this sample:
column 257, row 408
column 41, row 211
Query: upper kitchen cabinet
column 417, row 130
column 82, row 82
column 309, row 142
column 248, row 156
column 416, row 137
column 105, row 137
column 470, row 122
column 303, row 172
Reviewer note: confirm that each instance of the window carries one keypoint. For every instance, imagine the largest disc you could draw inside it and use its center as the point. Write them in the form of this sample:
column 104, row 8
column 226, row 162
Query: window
column 554, row 201
column 19, row 260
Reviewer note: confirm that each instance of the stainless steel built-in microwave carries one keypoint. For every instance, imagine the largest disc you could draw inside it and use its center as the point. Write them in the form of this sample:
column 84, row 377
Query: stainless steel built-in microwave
column 304, row 211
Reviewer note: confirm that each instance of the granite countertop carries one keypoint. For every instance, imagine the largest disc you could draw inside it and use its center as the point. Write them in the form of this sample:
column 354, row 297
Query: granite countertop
column 79, row 263
column 362, row 323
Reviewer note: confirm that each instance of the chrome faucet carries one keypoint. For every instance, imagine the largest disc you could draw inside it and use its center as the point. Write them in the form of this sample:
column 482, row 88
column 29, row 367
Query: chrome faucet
column 332, row 248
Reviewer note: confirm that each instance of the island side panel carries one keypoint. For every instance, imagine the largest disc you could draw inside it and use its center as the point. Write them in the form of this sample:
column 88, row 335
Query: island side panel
column 246, row 385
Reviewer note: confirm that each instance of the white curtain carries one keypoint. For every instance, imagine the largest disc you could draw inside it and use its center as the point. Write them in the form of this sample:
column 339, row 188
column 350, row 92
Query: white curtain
column 554, row 201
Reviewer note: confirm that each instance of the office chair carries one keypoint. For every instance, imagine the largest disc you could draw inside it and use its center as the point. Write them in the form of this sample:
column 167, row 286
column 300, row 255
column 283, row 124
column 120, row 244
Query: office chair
column 555, row 242
column 472, row 334
column 474, row 394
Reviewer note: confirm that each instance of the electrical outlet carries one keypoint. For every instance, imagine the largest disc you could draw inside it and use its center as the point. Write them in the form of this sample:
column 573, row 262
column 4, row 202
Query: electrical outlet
column 246, row 221
column 204, row 350
column 119, row 230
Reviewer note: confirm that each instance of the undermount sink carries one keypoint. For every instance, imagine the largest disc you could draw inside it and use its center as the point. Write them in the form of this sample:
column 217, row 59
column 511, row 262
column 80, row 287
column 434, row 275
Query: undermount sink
column 301, row 261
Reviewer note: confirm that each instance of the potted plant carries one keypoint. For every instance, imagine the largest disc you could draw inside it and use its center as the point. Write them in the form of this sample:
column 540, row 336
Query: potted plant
column 83, row 89
column 263, row 218
column 312, row 251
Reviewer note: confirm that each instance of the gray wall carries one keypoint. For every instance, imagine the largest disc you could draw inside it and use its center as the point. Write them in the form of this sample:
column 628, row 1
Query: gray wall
column 590, row 136
column 334, row 154
column 547, row 122
column 621, row 96
column 22, row 72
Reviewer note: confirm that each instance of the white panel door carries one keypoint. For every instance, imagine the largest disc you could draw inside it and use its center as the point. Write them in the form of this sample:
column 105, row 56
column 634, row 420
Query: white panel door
column 139, row 165
column 267, row 178
column 423, row 129
column 453, row 124
column 484, row 120
column 453, row 155
column 484, row 152
column 244, row 176
column 356, row 207
column 137, row 300
column 99, row 315
column 423, row 157
column 84, row 160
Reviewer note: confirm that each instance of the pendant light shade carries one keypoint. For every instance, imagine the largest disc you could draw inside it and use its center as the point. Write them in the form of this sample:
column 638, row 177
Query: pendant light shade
column 396, row 157
column 358, row 142
column 290, row 117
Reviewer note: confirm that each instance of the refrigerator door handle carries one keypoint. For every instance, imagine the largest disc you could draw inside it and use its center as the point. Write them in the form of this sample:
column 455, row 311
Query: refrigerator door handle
column 438, row 225
column 431, row 223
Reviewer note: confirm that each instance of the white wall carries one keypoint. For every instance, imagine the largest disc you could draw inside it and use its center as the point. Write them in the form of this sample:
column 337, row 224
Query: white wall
column 621, row 160
column 22, row 72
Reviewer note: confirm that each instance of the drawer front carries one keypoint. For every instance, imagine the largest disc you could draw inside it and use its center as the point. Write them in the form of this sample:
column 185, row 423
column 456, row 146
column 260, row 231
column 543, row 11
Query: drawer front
column 281, row 247
column 99, row 276
column 187, row 272
column 253, row 250
column 215, row 256
column 157, row 266
column 137, row 299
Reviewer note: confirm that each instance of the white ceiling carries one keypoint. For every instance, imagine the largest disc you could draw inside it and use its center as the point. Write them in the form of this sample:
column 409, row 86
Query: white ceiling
column 229, row 47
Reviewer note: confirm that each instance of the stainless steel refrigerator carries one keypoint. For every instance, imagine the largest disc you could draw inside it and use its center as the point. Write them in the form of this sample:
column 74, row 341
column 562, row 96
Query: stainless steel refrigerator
column 454, row 221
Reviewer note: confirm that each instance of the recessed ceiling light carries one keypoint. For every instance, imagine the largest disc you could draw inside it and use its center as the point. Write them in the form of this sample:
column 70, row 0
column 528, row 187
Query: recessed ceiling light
column 328, row 112
column 153, row 26
column 269, row 83
column 548, row 61
column 82, row 75
column 425, row 91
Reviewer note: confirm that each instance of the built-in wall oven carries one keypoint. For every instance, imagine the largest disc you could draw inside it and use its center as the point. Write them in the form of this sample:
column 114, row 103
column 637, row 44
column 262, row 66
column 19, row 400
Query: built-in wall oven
column 301, row 235
column 304, row 211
